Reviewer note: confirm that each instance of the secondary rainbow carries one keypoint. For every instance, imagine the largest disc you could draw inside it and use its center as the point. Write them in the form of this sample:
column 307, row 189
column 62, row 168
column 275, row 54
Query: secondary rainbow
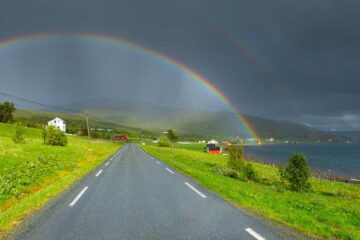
column 15, row 41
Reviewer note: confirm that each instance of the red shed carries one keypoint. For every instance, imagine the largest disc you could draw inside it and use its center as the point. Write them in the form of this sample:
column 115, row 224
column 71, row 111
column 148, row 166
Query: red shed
column 121, row 138
column 212, row 149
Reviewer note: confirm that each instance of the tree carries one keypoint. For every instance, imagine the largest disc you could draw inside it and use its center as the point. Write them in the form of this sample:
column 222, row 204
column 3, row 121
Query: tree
column 54, row 136
column 6, row 112
column 163, row 142
column 172, row 136
column 236, row 160
column 18, row 136
column 249, row 172
column 297, row 173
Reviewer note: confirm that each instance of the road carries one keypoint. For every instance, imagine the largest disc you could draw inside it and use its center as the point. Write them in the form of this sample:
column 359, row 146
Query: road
column 135, row 196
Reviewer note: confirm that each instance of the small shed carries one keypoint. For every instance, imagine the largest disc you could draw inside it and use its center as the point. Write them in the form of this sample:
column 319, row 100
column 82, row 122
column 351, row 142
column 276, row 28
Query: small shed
column 213, row 149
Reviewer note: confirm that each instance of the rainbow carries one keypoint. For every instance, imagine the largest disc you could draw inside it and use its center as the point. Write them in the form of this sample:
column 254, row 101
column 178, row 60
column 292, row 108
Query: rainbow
column 15, row 41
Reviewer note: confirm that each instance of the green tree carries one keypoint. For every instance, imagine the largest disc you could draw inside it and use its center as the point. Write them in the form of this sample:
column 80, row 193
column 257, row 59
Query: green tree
column 18, row 136
column 249, row 172
column 6, row 112
column 172, row 136
column 297, row 173
column 236, row 157
column 163, row 142
column 54, row 136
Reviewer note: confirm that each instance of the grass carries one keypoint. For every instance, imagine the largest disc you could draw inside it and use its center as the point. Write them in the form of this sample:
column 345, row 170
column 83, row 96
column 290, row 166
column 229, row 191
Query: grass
column 31, row 174
column 330, row 210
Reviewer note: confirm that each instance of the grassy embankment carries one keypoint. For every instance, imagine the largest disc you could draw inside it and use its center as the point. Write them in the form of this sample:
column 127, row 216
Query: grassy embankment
column 32, row 173
column 330, row 210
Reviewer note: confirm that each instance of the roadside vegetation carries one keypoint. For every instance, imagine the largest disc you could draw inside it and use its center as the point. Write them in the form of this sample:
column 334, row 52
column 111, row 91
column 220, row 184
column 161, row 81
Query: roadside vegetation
column 32, row 173
column 290, row 196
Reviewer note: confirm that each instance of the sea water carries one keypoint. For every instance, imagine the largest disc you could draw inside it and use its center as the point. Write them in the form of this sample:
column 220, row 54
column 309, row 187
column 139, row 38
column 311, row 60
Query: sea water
column 337, row 159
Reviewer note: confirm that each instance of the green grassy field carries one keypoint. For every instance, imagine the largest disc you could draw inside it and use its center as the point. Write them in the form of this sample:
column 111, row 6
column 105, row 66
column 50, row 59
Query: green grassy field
column 33, row 173
column 330, row 210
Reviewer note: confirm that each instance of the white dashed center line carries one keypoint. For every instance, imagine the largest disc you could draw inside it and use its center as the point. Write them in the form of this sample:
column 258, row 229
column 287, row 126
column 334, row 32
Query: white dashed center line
column 195, row 190
column 158, row 162
column 78, row 197
column 151, row 157
column 98, row 173
column 170, row 171
column 254, row 234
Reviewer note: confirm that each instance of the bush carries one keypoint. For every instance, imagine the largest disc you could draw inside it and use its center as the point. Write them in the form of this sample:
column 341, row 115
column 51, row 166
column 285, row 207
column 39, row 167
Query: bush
column 54, row 136
column 227, row 172
column 18, row 136
column 236, row 155
column 6, row 112
column 297, row 173
column 230, row 173
column 164, row 142
column 249, row 172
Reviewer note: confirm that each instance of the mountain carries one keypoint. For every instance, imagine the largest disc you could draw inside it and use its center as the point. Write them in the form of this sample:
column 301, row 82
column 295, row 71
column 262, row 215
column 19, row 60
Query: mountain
column 352, row 135
column 195, row 122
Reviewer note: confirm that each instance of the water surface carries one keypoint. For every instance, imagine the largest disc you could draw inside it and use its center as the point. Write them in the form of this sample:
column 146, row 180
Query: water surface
column 339, row 159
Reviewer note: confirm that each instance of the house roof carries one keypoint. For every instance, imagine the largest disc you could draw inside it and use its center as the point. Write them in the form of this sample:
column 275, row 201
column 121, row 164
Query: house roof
column 57, row 118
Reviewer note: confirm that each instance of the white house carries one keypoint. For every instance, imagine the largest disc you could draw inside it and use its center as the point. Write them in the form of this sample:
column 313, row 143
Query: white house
column 213, row 142
column 59, row 123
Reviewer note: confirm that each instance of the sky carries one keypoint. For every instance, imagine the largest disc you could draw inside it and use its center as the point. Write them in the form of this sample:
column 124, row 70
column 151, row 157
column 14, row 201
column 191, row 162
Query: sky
column 286, row 60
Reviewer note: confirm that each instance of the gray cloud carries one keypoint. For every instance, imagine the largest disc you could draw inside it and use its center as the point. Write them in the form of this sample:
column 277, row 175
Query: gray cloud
column 308, row 51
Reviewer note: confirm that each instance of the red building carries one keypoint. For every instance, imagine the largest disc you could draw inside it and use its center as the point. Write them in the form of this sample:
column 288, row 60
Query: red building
column 212, row 149
column 121, row 138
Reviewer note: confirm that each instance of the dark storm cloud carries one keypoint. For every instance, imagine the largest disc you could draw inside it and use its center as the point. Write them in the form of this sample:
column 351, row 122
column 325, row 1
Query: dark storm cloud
column 309, row 51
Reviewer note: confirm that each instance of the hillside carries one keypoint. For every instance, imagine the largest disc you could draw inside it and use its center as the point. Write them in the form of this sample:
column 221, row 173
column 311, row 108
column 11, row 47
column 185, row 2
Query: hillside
column 195, row 122
column 72, row 120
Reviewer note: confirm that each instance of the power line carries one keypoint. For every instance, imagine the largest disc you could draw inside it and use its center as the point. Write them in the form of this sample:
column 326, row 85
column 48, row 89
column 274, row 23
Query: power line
column 37, row 103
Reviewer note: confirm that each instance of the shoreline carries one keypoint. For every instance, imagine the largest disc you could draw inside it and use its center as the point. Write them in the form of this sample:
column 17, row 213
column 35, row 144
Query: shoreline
column 314, row 173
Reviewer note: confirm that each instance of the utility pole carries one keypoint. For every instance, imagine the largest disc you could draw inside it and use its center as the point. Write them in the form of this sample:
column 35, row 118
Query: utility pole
column 87, row 124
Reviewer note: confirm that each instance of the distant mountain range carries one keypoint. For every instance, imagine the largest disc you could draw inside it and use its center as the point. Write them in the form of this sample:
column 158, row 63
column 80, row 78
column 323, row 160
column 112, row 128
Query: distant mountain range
column 197, row 123
column 354, row 135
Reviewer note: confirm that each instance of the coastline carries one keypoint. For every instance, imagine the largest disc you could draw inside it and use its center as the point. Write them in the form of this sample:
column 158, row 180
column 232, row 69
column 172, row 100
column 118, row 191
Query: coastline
column 315, row 173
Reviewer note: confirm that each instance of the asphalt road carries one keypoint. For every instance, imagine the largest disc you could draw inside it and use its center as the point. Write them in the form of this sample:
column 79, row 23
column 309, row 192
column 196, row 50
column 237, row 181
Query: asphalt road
column 135, row 196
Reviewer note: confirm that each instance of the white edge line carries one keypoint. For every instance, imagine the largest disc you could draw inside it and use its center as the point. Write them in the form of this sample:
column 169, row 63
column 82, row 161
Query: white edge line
column 195, row 190
column 107, row 163
column 78, row 196
column 98, row 173
column 254, row 234
column 170, row 171
column 158, row 162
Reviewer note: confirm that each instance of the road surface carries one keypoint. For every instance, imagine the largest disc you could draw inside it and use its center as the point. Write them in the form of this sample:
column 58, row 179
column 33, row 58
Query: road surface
column 135, row 196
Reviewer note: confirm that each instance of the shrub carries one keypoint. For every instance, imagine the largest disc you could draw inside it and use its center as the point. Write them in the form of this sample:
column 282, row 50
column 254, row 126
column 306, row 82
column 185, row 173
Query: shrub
column 164, row 142
column 297, row 173
column 54, row 136
column 249, row 172
column 230, row 173
column 6, row 111
column 236, row 155
column 18, row 136
column 227, row 172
